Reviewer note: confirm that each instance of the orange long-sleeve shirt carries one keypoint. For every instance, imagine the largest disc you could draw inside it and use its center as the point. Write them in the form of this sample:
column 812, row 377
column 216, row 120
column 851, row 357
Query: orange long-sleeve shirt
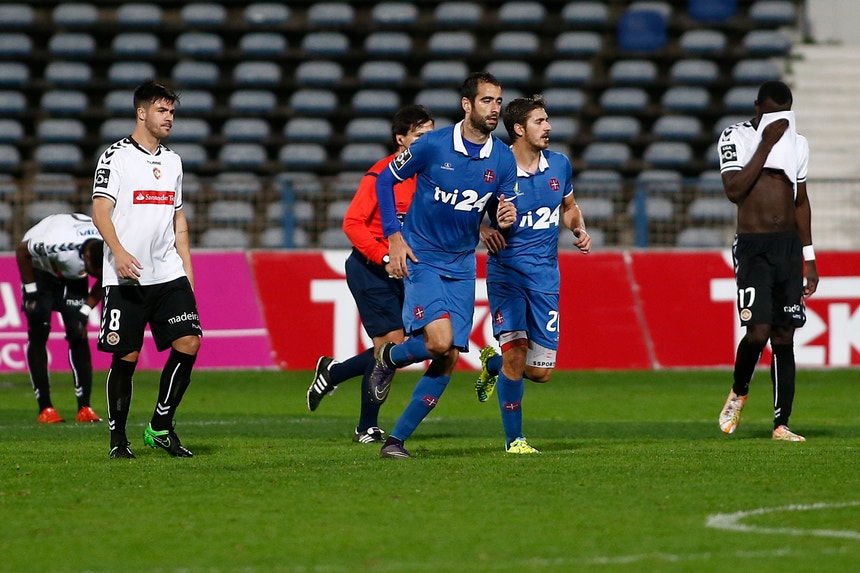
column 362, row 223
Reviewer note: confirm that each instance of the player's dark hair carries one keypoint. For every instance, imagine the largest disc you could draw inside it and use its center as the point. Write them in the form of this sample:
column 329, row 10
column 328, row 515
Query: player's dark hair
column 407, row 118
column 95, row 247
column 518, row 110
column 151, row 91
column 774, row 90
column 469, row 89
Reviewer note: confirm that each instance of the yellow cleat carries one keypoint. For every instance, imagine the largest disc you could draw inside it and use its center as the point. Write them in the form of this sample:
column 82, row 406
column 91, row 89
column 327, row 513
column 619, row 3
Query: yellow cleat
column 486, row 384
column 521, row 446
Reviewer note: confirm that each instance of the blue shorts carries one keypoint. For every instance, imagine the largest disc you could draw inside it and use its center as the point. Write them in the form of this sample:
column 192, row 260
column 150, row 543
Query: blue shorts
column 430, row 296
column 379, row 299
column 515, row 307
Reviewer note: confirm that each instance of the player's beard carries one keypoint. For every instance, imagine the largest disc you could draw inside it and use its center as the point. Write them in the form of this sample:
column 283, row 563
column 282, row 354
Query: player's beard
column 483, row 125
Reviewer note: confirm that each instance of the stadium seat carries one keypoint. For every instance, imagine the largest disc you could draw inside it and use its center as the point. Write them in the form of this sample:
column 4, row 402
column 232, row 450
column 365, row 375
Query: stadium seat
column 449, row 43
column 319, row 73
column 267, row 14
column 671, row 154
column 565, row 238
column 238, row 184
column 710, row 11
column 382, row 73
column 773, row 12
column 598, row 182
column 368, row 129
column 578, row 43
column 340, row 14
column 686, row 98
column 139, row 15
column 701, row 238
column 703, row 42
column 709, row 182
column 632, row 72
column 262, row 74
column 216, row 238
column 245, row 129
column 585, row 13
column 375, row 101
column 70, row 44
column 273, row 238
column 63, row 102
column 443, row 101
column 67, row 73
column 718, row 210
column 16, row 15
column 7, row 215
column 694, row 72
column 203, row 14
column 564, row 128
column 135, row 44
column 760, row 43
column 251, row 101
column 130, row 73
column 616, row 128
column 15, row 45
column 657, row 208
column 243, row 155
column 193, row 154
column 302, row 155
column 727, row 120
column 740, row 98
column 509, row 72
column 662, row 8
column 755, row 71
column 195, row 73
column 263, row 44
column 38, row 210
column 45, row 186
column 10, row 157
column 515, row 43
column 712, row 156
column 300, row 184
column 394, row 13
column 596, row 209
column 52, row 130
column 521, row 13
column 13, row 74
column 120, row 102
column 362, row 155
column 606, row 154
column 192, row 129
column 314, row 129
column 561, row 100
column 388, row 43
column 659, row 182
column 203, row 45
column 641, row 31
column 677, row 127
column 11, row 130
column 117, row 128
column 74, row 15
column 325, row 43
column 336, row 210
column 458, row 14
column 12, row 102
column 568, row 73
column 229, row 211
column 8, row 187
column 443, row 72
column 196, row 101
column 191, row 185
column 313, row 101
column 54, row 156
column 334, row 238
column 624, row 99
column 346, row 182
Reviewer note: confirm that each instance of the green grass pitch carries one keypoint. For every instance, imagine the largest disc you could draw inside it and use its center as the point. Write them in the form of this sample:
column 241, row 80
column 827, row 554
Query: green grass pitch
column 635, row 476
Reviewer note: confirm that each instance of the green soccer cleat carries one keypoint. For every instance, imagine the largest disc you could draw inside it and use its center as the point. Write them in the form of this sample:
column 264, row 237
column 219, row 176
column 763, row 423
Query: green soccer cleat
column 521, row 446
column 486, row 384
column 167, row 440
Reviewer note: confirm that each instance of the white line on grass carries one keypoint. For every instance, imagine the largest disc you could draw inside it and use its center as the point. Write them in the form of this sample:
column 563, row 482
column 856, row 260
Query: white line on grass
column 732, row 521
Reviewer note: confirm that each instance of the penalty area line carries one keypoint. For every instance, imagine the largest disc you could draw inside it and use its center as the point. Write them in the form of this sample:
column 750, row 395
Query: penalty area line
column 732, row 521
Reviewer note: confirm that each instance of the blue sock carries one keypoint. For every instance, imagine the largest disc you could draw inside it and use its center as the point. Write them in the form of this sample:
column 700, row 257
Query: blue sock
column 352, row 367
column 510, row 400
column 410, row 351
column 424, row 398
column 494, row 365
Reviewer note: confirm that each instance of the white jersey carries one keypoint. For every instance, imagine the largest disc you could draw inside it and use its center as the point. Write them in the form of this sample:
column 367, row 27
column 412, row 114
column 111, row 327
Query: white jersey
column 739, row 141
column 146, row 189
column 55, row 244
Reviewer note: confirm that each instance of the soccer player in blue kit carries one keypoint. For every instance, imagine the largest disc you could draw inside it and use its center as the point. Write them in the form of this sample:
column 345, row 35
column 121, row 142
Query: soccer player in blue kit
column 463, row 172
column 523, row 279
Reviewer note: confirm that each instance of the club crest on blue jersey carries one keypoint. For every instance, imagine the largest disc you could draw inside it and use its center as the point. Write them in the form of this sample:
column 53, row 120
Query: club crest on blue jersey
column 554, row 184
column 418, row 312
column 499, row 318
column 402, row 159
column 489, row 176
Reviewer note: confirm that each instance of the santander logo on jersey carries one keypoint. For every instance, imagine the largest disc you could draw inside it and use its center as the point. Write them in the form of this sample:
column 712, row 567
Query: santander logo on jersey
column 143, row 197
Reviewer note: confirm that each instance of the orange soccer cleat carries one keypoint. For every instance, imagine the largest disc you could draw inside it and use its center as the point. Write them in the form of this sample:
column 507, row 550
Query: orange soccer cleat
column 49, row 416
column 87, row 414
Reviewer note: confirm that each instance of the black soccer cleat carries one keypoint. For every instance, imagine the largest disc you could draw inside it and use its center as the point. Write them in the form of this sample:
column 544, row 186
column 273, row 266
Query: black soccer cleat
column 322, row 383
column 167, row 440
column 121, row 451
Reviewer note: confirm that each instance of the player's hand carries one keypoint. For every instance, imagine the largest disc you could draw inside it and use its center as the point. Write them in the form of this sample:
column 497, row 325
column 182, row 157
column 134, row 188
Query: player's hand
column 773, row 132
column 29, row 301
column 399, row 251
column 493, row 239
column 582, row 240
column 506, row 213
column 811, row 283
column 127, row 266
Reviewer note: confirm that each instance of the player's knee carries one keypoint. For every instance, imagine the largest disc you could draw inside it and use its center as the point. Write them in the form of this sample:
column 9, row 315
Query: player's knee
column 539, row 375
column 757, row 335
column 37, row 333
column 187, row 344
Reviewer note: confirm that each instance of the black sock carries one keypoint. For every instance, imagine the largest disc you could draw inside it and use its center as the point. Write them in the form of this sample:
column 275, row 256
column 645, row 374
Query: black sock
column 175, row 379
column 745, row 363
column 37, row 363
column 119, row 389
column 80, row 358
column 782, row 373
column 352, row 367
column 390, row 440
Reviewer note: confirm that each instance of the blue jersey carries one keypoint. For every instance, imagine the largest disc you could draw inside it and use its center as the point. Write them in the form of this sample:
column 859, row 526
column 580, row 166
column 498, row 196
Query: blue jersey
column 531, row 257
column 451, row 195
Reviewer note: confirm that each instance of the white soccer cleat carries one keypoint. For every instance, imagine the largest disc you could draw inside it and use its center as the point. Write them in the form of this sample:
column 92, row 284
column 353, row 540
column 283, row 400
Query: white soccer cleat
column 730, row 417
column 783, row 434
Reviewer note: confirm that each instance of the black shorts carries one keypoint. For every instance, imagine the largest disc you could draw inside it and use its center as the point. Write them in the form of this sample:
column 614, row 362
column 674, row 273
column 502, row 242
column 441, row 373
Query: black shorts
column 62, row 295
column 769, row 275
column 170, row 309
column 379, row 298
